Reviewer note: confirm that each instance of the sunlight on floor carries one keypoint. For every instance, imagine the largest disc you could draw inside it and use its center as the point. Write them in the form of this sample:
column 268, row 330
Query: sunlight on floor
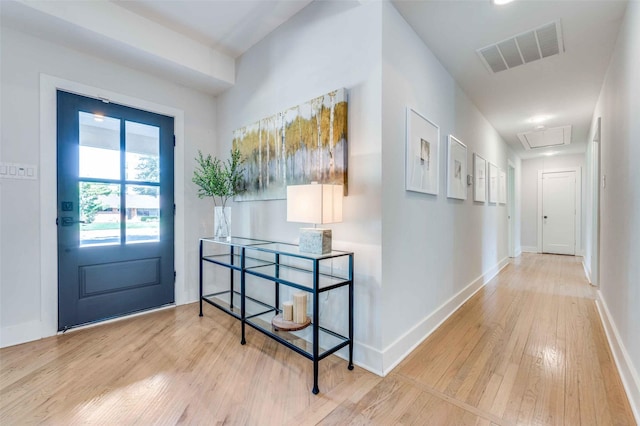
column 116, row 405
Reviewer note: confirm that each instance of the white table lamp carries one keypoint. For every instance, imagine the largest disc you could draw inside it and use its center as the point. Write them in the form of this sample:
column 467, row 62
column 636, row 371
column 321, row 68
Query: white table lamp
column 317, row 204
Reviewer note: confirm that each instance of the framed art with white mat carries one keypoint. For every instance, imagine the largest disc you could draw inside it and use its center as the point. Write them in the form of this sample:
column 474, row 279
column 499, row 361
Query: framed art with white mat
column 456, row 169
column 422, row 154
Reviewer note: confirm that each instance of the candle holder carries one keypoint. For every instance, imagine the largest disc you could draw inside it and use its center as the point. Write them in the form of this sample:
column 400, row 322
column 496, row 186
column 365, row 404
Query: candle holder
column 294, row 314
column 280, row 324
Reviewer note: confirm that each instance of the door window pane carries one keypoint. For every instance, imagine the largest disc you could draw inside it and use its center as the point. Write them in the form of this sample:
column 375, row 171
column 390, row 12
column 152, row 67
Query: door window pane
column 142, row 152
column 99, row 146
column 100, row 212
column 143, row 213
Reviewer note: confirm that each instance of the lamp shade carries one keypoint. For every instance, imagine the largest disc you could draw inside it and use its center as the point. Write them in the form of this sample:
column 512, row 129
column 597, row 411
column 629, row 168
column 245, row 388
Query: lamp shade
column 314, row 203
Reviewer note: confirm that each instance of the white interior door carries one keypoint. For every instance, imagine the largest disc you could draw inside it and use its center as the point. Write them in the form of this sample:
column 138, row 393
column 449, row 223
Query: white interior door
column 559, row 213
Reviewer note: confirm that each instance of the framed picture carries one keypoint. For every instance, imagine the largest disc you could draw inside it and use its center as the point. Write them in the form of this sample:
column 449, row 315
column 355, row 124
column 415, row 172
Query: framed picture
column 479, row 178
column 422, row 154
column 493, row 183
column 456, row 169
column 503, row 187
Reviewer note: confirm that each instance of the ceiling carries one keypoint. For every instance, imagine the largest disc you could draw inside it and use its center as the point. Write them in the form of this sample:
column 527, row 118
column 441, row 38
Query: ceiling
column 562, row 87
column 231, row 26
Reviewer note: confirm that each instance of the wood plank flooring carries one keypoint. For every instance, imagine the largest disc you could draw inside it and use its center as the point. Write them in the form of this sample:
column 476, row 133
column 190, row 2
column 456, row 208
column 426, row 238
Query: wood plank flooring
column 527, row 349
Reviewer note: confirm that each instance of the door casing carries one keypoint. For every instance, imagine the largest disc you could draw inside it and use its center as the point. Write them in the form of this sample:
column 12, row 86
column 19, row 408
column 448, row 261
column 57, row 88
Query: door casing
column 594, row 276
column 578, row 204
column 511, row 208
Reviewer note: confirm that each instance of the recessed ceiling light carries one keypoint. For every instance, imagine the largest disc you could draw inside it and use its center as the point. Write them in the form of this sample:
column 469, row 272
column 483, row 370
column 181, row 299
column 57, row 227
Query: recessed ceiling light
column 500, row 2
column 539, row 119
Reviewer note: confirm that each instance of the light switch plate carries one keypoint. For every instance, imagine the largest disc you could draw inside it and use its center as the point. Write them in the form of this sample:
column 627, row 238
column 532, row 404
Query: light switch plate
column 18, row 171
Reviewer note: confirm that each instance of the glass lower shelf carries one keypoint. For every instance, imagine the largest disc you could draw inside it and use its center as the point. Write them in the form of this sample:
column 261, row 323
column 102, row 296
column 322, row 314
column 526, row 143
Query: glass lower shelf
column 329, row 342
column 222, row 300
column 226, row 260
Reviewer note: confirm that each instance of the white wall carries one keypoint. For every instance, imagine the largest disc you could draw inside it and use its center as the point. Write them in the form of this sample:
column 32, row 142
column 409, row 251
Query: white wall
column 530, row 170
column 435, row 251
column 328, row 45
column 385, row 226
column 24, row 58
column 619, row 107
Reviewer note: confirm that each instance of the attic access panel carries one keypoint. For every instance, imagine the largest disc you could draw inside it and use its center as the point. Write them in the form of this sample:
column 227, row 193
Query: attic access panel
column 537, row 139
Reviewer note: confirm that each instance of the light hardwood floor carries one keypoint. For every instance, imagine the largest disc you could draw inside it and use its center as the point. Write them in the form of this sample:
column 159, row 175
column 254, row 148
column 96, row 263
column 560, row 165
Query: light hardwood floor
column 527, row 349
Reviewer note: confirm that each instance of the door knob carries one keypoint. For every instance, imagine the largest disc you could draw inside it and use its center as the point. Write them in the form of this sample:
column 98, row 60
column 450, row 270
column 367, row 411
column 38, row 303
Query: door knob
column 68, row 221
column 545, row 217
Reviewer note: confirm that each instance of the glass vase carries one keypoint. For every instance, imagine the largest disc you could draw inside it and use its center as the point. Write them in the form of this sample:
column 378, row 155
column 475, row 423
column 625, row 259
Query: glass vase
column 222, row 223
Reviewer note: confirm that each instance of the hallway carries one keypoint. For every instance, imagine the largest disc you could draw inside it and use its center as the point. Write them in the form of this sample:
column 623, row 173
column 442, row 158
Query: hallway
column 527, row 349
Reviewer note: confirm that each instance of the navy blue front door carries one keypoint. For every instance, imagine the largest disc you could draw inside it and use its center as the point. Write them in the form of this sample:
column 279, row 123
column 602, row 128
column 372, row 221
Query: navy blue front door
column 115, row 210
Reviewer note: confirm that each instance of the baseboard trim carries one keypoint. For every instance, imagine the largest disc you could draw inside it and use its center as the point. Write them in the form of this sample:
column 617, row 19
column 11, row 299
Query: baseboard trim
column 587, row 272
column 393, row 354
column 20, row 333
column 365, row 356
column 627, row 371
column 529, row 249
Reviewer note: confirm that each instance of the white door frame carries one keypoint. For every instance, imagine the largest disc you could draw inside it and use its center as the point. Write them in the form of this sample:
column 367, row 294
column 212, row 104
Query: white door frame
column 511, row 208
column 48, row 192
column 578, row 204
column 596, row 181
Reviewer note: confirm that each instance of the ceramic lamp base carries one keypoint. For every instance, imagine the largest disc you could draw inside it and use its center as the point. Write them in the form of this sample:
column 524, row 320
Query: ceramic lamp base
column 315, row 240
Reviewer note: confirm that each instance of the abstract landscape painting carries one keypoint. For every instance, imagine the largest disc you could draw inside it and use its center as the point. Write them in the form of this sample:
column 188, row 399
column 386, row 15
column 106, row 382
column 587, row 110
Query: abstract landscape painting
column 303, row 144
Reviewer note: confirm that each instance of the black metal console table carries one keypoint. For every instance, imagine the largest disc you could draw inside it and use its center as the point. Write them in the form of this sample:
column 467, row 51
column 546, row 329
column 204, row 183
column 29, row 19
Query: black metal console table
column 280, row 264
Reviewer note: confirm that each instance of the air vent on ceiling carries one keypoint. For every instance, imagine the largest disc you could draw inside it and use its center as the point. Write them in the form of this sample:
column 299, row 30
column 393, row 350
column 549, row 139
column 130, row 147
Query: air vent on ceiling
column 555, row 136
column 529, row 46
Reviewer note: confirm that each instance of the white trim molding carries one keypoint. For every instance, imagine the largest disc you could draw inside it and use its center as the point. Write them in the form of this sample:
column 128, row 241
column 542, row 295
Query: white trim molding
column 587, row 272
column 397, row 351
column 381, row 362
column 511, row 209
column 628, row 372
column 529, row 249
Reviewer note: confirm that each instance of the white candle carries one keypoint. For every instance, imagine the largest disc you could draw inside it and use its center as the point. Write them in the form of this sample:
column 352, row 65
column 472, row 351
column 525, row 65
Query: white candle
column 287, row 311
column 299, row 307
